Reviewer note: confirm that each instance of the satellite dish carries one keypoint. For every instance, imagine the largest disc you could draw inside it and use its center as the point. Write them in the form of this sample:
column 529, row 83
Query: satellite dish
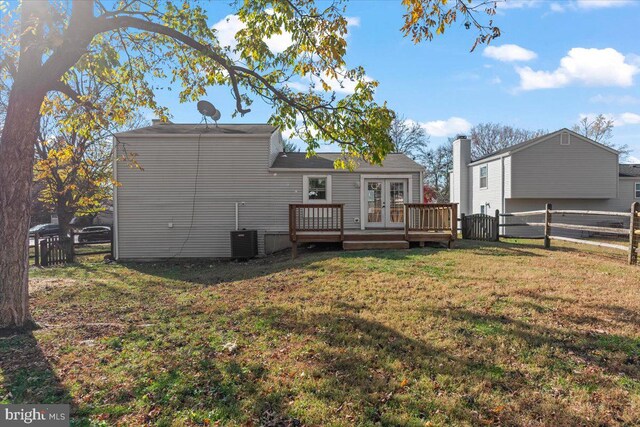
column 207, row 109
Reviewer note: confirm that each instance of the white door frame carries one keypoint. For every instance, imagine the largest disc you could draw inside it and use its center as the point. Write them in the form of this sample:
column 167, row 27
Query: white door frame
column 363, row 192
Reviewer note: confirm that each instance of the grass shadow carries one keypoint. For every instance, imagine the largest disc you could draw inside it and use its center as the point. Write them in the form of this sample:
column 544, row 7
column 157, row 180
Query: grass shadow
column 27, row 374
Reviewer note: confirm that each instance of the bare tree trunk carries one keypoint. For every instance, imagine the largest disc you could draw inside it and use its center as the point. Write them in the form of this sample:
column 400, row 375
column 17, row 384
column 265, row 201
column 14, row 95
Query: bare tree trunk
column 16, row 173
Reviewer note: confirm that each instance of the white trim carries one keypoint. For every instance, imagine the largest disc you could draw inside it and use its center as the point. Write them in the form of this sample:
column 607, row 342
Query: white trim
column 636, row 189
column 486, row 167
column 363, row 198
column 305, row 189
column 116, row 248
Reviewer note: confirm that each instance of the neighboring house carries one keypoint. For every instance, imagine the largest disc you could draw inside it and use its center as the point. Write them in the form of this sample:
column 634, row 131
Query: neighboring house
column 562, row 168
column 193, row 180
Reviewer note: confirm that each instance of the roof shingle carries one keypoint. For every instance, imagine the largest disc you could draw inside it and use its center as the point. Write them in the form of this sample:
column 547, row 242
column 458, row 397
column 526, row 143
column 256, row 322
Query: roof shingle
column 393, row 161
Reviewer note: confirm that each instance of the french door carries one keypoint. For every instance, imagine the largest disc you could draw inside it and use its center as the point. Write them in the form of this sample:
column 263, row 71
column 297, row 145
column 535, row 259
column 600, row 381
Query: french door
column 385, row 199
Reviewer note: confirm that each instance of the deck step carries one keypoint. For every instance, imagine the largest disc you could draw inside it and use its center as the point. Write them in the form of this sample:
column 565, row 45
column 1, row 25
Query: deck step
column 378, row 237
column 374, row 244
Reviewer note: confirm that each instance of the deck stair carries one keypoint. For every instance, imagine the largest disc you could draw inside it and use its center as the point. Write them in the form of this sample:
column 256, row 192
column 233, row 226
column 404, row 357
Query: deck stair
column 355, row 245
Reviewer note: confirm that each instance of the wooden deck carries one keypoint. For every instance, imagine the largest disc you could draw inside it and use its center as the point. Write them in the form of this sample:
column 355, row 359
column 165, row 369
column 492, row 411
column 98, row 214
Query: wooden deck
column 324, row 223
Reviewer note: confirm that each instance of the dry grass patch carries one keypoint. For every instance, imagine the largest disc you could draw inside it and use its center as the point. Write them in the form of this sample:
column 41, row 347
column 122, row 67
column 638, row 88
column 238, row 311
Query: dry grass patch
column 504, row 334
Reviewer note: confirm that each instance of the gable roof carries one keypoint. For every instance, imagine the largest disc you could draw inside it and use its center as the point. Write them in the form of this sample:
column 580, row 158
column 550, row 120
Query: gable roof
column 169, row 128
column 630, row 170
column 526, row 144
column 393, row 162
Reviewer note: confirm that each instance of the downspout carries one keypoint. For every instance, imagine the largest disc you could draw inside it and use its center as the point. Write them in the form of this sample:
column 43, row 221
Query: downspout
column 236, row 216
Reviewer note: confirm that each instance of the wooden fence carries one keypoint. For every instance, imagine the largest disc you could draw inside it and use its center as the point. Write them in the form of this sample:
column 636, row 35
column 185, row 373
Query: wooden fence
column 549, row 224
column 479, row 227
column 52, row 250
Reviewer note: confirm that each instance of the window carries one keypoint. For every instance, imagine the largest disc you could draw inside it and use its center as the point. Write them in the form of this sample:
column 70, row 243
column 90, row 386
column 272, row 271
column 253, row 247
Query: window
column 565, row 138
column 316, row 188
column 484, row 176
column 637, row 190
column 482, row 209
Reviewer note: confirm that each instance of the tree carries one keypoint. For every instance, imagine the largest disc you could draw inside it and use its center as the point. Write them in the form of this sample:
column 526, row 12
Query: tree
column 408, row 137
column 131, row 44
column 438, row 162
column 289, row 146
column 73, row 163
column 487, row 138
column 600, row 129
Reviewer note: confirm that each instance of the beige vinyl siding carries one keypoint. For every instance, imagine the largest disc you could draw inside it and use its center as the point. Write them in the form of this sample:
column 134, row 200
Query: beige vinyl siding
column 492, row 195
column 621, row 203
column 580, row 170
column 232, row 169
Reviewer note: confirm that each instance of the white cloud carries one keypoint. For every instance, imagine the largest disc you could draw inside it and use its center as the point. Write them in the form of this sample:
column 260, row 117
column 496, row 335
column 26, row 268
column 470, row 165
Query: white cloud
column 556, row 7
column 228, row 27
column 599, row 4
column 517, row 4
column 496, row 80
column 614, row 99
column 509, row 53
column 628, row 119
column 590, row 67
column 633, row 159
column 340, row 84
column 622, row 119
column 353, row 21
column 449, row 127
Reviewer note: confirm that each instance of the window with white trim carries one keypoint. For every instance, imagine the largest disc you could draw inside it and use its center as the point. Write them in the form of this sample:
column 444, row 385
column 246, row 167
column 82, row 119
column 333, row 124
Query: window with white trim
column 637, row 190
column 484, row 176
column 316, row 189
column 482, row 209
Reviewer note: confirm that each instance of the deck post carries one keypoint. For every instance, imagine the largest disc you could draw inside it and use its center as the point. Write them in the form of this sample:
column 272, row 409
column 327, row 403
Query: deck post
column 454, row 221
column 634, row 231
column 342, row 223
column 547, row 226
column 406, row 222
column 496, row 228
column 462, row 226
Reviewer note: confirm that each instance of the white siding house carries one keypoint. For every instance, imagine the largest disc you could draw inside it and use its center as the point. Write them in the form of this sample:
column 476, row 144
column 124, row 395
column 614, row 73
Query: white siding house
column 562, row 168
column 181, row 201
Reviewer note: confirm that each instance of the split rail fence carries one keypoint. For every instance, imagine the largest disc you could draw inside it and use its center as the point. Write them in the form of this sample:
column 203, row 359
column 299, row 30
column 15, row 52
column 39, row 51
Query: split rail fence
column 486, row 227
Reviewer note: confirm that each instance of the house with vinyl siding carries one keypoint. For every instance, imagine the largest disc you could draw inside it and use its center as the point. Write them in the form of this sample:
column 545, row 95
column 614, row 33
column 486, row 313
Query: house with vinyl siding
column 563, row 168
column 196, row 183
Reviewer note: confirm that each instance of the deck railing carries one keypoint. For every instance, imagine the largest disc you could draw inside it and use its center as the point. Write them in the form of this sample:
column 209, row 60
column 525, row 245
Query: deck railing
column 316, row 218
column 431, row 217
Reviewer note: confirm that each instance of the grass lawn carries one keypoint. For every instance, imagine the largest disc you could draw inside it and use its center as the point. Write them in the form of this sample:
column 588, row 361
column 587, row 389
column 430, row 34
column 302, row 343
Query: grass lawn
column 504, row 334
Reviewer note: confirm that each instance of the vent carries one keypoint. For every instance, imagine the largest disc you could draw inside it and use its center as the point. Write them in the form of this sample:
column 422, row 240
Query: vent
column 565, row 138
column 244, row 244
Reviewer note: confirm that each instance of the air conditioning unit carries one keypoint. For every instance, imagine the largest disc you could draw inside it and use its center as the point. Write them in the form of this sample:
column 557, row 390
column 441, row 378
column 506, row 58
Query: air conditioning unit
column 244, row 244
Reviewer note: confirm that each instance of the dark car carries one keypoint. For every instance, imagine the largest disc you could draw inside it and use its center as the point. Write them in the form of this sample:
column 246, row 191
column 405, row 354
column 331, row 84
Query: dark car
column 44, row 230
column 94, row 234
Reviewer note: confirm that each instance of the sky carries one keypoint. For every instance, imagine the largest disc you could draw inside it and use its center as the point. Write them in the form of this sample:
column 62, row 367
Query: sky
column 555, row 62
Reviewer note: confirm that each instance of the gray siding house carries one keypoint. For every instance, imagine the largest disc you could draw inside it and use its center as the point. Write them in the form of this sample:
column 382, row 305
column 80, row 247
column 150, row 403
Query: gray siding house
column 562, row 168
column 195, row 184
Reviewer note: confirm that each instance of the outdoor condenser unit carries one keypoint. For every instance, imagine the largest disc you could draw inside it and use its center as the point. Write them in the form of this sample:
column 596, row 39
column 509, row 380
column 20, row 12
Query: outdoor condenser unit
column 244, row 244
